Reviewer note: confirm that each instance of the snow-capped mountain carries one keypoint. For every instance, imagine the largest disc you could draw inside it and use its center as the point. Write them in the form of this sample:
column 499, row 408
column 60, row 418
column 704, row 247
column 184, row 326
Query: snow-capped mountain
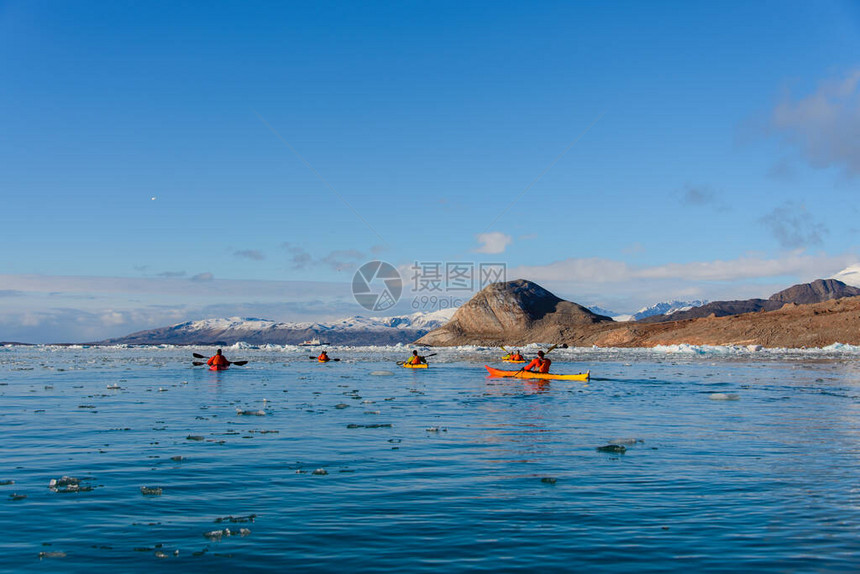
column 667, row 308
column 356, row 330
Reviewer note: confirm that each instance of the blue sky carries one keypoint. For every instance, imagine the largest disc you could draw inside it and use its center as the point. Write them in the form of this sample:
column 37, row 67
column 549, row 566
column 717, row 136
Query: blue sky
column 619, row 153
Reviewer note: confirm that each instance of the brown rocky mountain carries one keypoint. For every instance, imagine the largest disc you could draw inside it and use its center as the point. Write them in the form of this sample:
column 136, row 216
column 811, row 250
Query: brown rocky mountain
column 802, row 294
column 502, row 314
column 514, row 311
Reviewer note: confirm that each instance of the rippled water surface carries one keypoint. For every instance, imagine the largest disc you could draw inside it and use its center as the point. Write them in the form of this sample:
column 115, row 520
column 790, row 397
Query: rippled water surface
column 733, row 461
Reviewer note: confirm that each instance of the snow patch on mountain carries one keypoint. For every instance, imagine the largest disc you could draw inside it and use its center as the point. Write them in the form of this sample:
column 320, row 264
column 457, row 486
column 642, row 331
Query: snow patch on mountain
column 850, row 275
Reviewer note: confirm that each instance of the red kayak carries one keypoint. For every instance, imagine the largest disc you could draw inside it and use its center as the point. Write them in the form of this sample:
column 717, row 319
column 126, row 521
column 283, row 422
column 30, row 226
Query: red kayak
column 219, row 367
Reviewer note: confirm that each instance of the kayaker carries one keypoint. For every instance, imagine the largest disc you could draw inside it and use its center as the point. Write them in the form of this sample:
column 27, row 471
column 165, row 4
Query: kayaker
column 539, row 363
column 515, row 356
column 415, row 359
column 323, row 357
column 218, row 360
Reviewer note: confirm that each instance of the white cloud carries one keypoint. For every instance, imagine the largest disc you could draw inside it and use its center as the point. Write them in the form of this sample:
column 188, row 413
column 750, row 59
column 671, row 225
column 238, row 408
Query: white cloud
column 493, row 242
column 825, row 124
column 743, row 268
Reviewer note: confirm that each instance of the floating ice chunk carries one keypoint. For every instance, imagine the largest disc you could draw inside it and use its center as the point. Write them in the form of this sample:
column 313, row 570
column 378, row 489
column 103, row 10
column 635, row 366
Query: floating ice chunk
column 320, row 471
column 436, row 429
column 341, row 406
column 249, row 518
column 549, row 480
column 16, row 496
column 54, row 554
column 381, row 373
column 613, row 448
column 723, row 397
column 6, row 482
column 68, row 484
column 260, row 413
column 177, row 458
column 626, row 441
column 150, row 490
column 114, row 387
column 215, row 535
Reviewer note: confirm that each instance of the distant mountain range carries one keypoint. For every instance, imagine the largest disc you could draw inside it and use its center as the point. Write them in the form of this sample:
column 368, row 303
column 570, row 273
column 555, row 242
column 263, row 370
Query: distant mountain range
column 515, row 312
column 352, row 331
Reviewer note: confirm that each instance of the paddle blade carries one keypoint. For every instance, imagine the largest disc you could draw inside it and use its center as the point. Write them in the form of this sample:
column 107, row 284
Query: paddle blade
column 240, row 363
column 550, row 349
column 197, row 363
column 198, row 356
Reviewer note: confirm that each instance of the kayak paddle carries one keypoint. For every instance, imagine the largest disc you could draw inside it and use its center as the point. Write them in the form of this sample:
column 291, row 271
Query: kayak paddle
column 201, row 363
column 545, row 353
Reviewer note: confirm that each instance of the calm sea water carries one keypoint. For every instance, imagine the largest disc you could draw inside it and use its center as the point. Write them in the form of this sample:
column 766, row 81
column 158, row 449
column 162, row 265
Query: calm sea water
column 436, row 470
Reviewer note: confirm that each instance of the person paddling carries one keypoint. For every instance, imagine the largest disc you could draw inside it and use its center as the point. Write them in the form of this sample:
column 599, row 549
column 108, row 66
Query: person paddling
column 218, row 360
column 515, row 356
column 323, row 357
column 539, row 363
column 415, row 359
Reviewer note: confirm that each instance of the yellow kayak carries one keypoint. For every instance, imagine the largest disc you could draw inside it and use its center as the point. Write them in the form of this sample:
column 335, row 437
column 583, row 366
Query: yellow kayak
column 418, row 366
column 530, row 375
column 512, row 361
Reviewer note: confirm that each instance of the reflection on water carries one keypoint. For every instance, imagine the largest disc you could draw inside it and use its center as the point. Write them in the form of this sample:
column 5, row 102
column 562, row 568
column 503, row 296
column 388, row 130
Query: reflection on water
column 327, row 467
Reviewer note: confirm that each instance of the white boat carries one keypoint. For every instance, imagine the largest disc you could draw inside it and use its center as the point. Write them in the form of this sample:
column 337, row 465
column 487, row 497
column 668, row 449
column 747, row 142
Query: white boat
column 311, row 343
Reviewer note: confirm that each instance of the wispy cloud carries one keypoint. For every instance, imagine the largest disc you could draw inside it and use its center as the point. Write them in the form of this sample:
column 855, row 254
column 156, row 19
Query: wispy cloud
column 824, row 125
column 493, row 242
column 339, row 259
column 794, row 227
column 252, row 254
column 203, row 277
column 348, row 259
column 171, row 274
column 300, row 258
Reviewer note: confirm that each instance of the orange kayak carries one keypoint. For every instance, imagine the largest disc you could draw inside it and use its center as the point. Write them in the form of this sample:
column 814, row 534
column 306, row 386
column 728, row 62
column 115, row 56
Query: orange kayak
column 530, row 375
column 219, row 367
